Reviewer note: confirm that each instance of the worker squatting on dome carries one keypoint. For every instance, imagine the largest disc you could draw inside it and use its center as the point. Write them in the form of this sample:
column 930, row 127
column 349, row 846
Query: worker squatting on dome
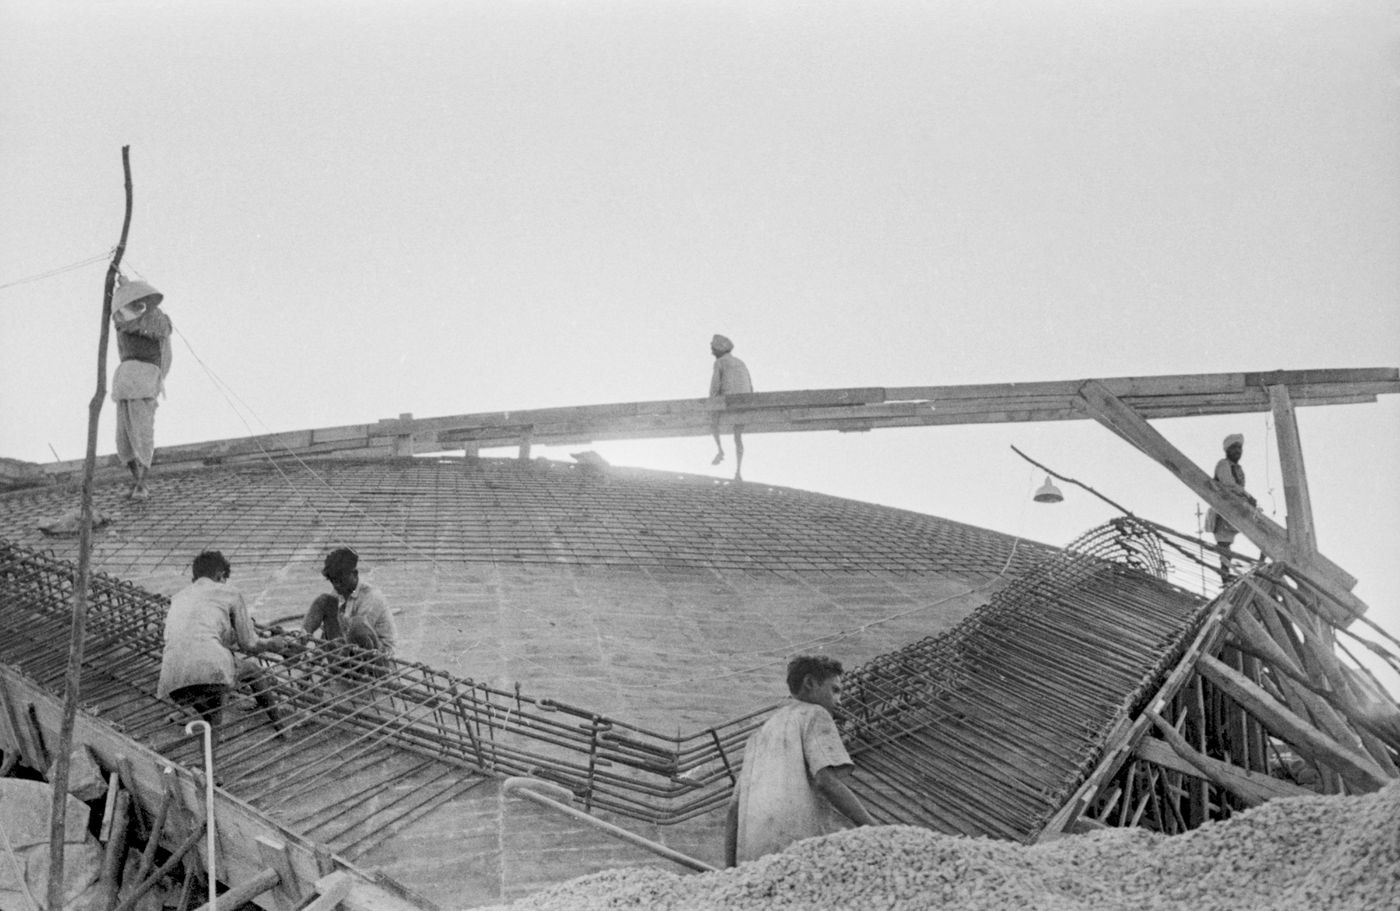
column 356, row 613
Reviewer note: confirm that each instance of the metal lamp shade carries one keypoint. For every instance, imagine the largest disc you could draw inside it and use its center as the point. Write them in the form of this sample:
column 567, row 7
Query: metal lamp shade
column 1048, row 493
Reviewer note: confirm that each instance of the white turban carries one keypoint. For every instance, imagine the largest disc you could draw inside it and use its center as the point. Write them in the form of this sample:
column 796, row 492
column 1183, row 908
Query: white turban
column 1234, row 438
column 721, row 344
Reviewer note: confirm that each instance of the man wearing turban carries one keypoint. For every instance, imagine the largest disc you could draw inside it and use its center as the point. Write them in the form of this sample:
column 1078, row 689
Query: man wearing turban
column 1229, row 475
column 730, row 376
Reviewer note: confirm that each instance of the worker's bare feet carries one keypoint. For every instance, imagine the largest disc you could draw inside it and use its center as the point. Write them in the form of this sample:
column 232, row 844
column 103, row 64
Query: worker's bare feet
column 140, row 492
column 738, row 477
column 719, row 457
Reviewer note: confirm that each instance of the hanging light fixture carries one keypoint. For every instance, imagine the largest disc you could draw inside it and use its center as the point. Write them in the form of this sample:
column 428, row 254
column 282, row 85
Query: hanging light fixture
column 1048, row 492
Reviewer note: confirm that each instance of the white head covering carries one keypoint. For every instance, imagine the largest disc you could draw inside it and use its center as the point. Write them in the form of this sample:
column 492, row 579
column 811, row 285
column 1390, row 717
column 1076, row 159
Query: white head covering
column 721, row 344
column 1234, row 438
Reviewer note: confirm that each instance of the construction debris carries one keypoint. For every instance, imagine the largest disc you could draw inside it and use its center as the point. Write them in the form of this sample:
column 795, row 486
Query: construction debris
column 24, row 849
column 1296, row 854
column 69, row 524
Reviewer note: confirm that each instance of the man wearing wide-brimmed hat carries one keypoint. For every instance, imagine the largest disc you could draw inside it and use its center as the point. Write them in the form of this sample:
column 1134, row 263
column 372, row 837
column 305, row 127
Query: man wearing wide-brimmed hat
column 730, row 376
column 1229, row 475
column 143, row 344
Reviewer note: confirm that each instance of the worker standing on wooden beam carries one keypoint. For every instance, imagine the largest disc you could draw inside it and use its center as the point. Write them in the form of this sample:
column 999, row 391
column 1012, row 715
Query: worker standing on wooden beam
column 730, row 376
column 1229, row 475
column 143, row 344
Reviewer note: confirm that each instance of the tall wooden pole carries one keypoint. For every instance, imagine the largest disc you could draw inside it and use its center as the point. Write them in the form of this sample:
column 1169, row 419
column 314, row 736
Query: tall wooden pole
column 73, row 678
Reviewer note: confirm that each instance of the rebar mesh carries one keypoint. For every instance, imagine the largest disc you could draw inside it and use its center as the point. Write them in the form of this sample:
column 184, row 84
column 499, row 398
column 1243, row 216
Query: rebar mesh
column 504, row 511
column 978, row 731
column 985, row 729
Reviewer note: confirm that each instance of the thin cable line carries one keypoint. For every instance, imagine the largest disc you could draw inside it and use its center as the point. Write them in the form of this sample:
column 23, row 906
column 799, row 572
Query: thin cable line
column 59, row 271
column 787, row 650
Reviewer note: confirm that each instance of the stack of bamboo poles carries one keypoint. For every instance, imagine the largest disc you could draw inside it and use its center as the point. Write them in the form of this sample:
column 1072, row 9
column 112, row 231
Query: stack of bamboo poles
column 1269, row 701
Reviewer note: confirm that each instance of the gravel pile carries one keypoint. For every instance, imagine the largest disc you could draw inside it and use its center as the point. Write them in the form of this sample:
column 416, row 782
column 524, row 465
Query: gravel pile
column 1305, row 853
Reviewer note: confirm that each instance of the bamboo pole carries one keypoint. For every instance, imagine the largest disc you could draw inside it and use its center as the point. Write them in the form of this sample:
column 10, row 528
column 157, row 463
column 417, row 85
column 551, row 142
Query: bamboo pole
column 59, row 779
column 245, row 891
column 175, row 860
column 115, row 854
column 1359, row 770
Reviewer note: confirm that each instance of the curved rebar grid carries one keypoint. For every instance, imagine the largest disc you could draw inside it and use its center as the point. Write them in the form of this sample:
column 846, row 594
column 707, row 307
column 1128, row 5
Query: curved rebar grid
column 340, row 710
column 984, row 729
column 935, row 718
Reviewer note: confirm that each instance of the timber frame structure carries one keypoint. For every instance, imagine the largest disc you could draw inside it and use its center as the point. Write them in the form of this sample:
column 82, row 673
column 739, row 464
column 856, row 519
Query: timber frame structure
column 1256, row 695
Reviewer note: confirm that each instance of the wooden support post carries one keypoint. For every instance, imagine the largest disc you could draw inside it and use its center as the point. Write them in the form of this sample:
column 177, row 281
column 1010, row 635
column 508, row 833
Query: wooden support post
column 246, row 891
column 1358, row 770
column 1332, row 715
column 526, row 437
column 1271, row 538
column 1252, row 788
column 286, row 893
column 403, row 442
column 1196, row 716
column 18, row 741
column 104, row 832
column 114, row 856
column 42, row 749
column 1295, row 479
column 128, row 781
column 148, row 853
column 331, row 891
column 72, row 681
column 150, row 882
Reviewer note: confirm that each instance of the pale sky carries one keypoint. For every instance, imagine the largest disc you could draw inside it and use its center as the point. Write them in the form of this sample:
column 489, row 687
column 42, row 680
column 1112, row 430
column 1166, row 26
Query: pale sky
column 359, row 209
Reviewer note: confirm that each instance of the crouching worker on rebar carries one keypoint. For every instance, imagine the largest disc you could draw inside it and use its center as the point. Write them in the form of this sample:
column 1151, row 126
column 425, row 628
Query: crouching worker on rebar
column 794, row 782
column 206, row 622
column 357, row 613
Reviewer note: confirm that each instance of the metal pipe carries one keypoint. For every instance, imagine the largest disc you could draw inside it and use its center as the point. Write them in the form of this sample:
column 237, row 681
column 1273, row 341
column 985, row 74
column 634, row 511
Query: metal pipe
column 533, row 789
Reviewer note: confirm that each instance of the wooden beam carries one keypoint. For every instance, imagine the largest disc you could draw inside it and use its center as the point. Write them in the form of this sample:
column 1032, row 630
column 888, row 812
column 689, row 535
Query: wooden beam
column 1295, row 479
column 330, row 892
column 1271, row 538
column 245, row 891
column 1174, row 752
column 1359, row 771
column 285, row 894
column 1256, row 639
column 853, row 409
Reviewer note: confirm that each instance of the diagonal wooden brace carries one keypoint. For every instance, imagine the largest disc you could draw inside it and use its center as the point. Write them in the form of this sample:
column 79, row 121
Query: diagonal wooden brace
column 1270, row 537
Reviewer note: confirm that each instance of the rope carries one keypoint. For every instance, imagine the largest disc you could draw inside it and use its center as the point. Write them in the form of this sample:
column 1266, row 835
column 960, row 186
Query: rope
column 101, row 257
